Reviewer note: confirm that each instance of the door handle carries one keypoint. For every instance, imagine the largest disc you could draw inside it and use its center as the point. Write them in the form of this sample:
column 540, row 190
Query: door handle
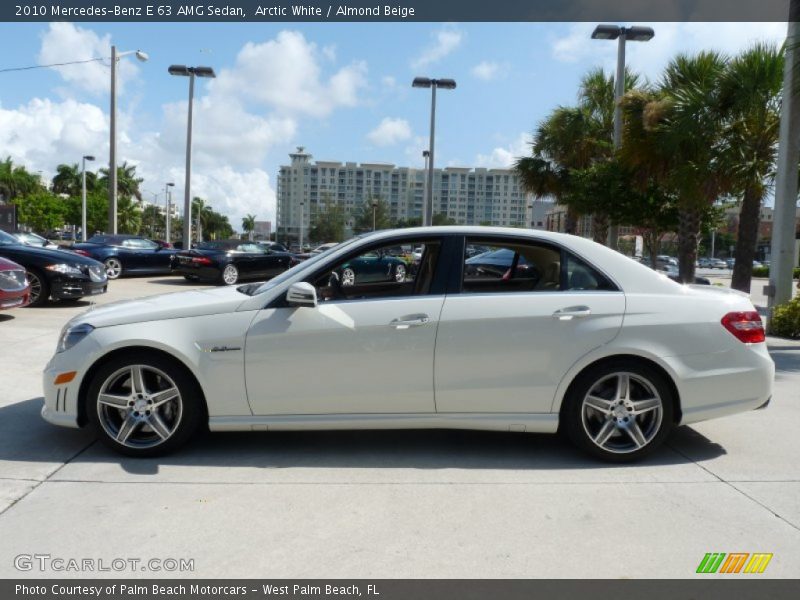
column 409, row 321
column 572, row 312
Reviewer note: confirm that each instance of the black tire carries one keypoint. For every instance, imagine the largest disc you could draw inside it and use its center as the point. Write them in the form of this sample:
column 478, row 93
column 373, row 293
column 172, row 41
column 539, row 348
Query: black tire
column 192, row 411
column 38, row 281
column 646, row 383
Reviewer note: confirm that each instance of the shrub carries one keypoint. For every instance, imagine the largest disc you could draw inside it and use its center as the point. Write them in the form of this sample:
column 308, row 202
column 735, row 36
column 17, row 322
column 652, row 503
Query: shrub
column 785, row 320
column 764, row 272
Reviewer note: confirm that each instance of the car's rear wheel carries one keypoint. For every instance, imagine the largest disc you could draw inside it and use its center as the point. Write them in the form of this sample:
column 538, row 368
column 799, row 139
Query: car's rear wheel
column 619, row 411
column 141, row 406
column 113, row 268
column 40, row 289
column 230, row 275
column 400, row 273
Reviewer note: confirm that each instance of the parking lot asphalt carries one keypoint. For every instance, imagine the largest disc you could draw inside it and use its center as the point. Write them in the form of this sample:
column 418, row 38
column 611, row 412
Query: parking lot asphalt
column 427, row 504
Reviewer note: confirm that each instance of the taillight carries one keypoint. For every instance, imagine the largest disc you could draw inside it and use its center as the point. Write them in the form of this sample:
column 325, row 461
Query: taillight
column 746, row 326
column 201, row 260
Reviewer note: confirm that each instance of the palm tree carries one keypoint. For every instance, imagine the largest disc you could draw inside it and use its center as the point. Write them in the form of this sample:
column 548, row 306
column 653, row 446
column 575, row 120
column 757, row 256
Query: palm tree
column 129, row 216
column 249, row 225
column 673, row 136
column 749, row 104
column 201, row 213
column 16, row 181
column 127, row 182
column 570, row 139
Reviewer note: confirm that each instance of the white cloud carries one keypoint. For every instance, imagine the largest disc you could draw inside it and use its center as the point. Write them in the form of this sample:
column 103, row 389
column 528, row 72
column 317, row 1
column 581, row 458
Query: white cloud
column 285, row 75
column 489, row 70
column 503, row 157
column 445, row 41
column 43, row 133
column 65, row 42
column 649, row 58
column 389, row 132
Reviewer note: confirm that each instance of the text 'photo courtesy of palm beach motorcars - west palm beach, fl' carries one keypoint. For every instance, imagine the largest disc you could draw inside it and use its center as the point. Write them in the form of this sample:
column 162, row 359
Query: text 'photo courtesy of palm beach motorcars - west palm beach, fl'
column 451, row 295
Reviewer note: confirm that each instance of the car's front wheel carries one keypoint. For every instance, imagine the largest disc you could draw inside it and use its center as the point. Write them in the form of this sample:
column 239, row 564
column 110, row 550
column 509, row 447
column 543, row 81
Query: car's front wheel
column 40, row 289
column 400, row 273
column 619, row 411
column 113, row 268
column 142, row 406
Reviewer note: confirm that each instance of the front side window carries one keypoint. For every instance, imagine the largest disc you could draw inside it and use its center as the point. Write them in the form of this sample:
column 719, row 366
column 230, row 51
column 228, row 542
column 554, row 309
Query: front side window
column 381, row 272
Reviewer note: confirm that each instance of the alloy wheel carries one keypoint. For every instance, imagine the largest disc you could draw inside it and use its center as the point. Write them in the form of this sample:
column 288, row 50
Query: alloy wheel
column 139, row 406
column 400, row 273
column 622, row 412
column 113, row 268
column 348, row 277
column 230, row 274
column 36, row 287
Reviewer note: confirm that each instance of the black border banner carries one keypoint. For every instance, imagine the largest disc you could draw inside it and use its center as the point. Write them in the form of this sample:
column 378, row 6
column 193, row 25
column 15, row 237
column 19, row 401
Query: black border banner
column 394, row 10
column 711, row 588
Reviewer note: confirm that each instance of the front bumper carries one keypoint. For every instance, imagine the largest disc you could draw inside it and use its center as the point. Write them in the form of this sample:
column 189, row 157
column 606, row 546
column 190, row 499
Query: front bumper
column 14, row 299
column 61, row 401
column 76, row 288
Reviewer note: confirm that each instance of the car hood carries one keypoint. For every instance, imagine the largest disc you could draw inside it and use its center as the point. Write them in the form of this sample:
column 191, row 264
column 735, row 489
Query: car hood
column 177, row 305
column 45, row 254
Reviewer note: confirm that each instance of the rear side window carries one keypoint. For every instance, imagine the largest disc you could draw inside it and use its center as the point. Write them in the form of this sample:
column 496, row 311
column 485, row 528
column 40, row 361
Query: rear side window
column 514, row 266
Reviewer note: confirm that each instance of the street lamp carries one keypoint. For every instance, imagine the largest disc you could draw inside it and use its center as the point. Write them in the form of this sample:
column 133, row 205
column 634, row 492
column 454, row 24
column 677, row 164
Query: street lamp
column 530, row 209
column 168, row 216
column 83, row 195
column 622, row 35
column 447, row 84
column 374, row 209
column 112, row 151
column 191, row 73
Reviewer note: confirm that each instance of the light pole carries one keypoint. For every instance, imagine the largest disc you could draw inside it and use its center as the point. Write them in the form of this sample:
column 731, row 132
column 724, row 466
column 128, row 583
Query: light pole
column 302, row 218
column 112, row 150
column 530, row 209
column 622, row 35
column 191, row 73
column 447, row 84
column 374, row 209
column 83, row 195
column 168, row 216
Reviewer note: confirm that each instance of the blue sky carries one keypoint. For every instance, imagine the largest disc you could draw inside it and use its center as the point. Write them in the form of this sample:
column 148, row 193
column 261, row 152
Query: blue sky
column 341, row 90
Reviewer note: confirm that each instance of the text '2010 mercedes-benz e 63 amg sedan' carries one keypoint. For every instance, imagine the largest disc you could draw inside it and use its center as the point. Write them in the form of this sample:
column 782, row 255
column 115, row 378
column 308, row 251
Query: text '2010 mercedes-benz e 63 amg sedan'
column 560, row 333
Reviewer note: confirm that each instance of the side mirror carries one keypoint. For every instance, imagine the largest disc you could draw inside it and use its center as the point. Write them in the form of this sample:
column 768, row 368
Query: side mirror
column 302, row 293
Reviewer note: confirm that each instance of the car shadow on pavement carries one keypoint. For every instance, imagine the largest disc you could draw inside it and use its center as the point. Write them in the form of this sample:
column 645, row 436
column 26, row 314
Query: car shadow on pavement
column 6, row 317
column 178, row 282
column 26, row 437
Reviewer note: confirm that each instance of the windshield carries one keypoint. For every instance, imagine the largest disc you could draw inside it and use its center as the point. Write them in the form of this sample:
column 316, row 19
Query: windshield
column 253, row 289
column 7, row 239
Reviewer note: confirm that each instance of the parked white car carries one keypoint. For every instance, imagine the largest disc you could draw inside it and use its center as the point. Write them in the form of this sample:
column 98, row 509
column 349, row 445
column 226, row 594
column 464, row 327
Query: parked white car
column 538, row 331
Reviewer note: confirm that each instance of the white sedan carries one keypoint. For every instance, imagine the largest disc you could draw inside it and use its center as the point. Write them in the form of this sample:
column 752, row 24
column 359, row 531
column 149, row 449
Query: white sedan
column 536, row 331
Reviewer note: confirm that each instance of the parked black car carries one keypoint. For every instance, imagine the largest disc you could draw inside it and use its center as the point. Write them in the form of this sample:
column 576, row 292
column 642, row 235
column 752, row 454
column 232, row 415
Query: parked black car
column 124, row 254
column 228, row 261
column 55, row 273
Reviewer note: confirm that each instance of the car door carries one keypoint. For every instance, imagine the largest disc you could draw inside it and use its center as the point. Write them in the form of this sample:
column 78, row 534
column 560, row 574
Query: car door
column 365, row 349
column 505, row 341
column 130, row 255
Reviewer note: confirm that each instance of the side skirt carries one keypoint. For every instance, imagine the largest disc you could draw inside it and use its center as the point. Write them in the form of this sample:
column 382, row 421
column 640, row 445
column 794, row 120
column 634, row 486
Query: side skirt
column 532, row 423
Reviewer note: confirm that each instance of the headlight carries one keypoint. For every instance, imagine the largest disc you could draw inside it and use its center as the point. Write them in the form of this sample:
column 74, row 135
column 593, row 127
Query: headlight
column 11, row 281
column 64, row 269
column 73, row 334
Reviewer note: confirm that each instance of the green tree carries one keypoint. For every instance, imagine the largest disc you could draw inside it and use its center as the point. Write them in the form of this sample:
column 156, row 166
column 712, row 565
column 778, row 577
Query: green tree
column 41, row 210
column 16, row 180
column 749, row 105
column 571, row 139
column 127, row 181
column 410, row 222
column 442, row 219
column 201, row 211
column 129, row 216
column 328, row 222
column 249, row 225
column 217, row 226
column 69, row 180
column 368, row 215
column 673, row 136
column 96, row 211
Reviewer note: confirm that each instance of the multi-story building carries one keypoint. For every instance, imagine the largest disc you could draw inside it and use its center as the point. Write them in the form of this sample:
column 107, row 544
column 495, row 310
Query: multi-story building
column 466, row 195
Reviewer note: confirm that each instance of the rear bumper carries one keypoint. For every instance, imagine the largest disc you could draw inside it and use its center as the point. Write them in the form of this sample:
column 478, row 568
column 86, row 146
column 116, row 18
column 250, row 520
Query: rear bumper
column 201, row 272
column 719, row 385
